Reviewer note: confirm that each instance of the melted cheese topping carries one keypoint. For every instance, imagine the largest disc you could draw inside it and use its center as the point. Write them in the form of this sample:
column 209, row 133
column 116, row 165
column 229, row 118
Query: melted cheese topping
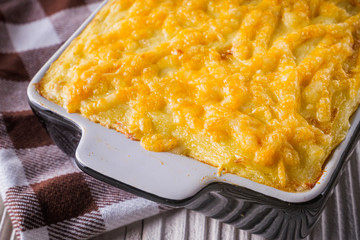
column 261, row 89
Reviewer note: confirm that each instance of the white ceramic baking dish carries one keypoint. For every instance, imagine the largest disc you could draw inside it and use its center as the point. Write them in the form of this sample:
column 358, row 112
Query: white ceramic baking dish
column 167, row 177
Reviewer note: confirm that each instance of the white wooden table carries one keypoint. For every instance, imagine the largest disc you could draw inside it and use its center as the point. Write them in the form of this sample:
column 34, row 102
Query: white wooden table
column 340, row 219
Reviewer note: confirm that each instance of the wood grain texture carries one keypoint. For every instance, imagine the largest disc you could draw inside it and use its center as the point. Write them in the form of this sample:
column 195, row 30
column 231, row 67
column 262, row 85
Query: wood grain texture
column 6, row 230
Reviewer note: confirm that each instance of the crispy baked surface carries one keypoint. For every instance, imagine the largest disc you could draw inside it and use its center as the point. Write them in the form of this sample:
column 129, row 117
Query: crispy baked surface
column 261, row 89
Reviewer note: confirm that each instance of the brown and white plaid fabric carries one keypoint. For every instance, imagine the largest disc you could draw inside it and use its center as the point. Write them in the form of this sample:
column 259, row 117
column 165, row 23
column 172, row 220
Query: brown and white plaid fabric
column 46, row 195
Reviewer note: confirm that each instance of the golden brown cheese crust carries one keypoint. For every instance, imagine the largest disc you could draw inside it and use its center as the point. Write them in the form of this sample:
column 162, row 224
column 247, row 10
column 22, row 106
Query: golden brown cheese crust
column 261, row 89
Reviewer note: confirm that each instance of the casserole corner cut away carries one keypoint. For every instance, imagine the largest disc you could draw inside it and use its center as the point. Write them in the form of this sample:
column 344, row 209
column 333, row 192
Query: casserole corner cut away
column 261, row 89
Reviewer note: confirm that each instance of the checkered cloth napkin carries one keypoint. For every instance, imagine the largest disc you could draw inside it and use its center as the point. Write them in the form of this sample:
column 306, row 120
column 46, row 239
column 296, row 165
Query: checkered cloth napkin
column 46, row 195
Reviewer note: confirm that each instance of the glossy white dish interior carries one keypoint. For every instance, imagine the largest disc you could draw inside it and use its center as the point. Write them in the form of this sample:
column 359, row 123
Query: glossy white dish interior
column 166, row 175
